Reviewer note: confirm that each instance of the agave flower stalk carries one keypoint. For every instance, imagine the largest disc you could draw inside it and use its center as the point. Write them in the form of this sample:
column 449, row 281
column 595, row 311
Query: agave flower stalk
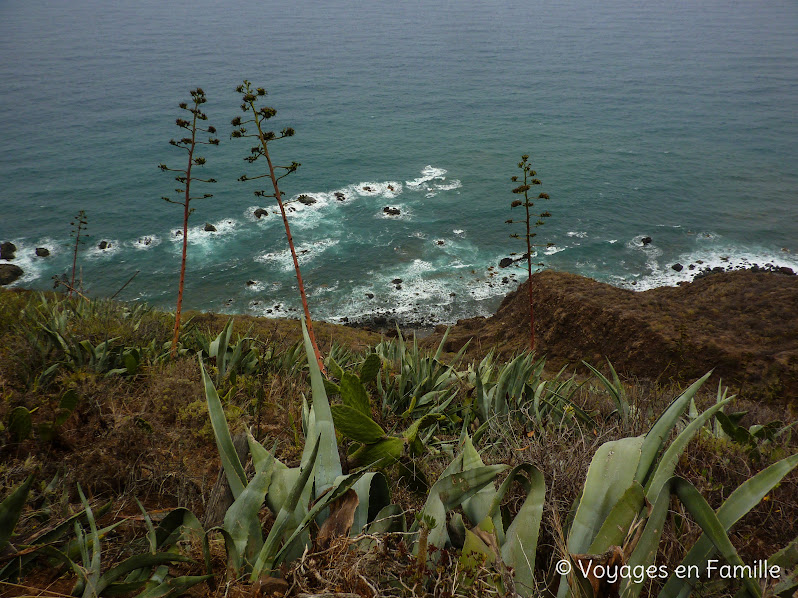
column 249, row 99
column 78, row 227
column 529, row 181
column 184, row 178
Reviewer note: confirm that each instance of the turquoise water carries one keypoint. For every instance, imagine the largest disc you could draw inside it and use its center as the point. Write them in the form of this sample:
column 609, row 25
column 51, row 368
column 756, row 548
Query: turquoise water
column 677, row 121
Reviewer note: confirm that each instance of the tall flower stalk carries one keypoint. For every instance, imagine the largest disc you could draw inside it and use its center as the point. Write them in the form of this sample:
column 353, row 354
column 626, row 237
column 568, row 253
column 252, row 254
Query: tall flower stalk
column 527, row 203
column 249, row 100
column 184, row 177
column 78, row 231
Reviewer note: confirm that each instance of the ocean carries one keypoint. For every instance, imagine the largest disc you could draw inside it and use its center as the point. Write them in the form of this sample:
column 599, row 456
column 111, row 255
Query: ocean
column 676, row 121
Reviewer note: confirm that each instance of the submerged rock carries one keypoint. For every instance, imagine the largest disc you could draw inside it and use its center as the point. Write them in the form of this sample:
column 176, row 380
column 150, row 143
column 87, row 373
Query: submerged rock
column 9, row 273
column 391, row 211
column 646, row 241
column 339, row 196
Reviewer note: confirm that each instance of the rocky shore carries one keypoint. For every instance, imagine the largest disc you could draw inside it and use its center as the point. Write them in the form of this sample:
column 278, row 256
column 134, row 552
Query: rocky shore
column 743, row 325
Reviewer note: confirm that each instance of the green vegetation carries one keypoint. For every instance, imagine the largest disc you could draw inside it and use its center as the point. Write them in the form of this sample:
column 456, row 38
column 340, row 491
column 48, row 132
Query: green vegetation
column 405, row 473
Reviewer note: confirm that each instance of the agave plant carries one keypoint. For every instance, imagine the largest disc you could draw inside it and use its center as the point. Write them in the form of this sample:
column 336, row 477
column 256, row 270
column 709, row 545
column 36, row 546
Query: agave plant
column 621, row 512
column 413, row 382
column 289, row 491
column 146, row 572
column 231, row 359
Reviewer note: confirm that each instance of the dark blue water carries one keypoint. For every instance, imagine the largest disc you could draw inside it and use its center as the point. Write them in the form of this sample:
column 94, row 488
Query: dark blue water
column 677, row 121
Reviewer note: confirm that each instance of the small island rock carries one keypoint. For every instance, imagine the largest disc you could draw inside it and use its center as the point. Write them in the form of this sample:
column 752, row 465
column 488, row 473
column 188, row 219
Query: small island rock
column 678, row 267
column 209, row 228
column 306, row 200
column 646, row 240
column 506, row 261
column 103, row 245
column 391, row 211
column 42, row 252
column 260, row 212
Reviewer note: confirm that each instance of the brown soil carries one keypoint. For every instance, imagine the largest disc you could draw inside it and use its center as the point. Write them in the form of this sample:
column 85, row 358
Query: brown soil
column 743, row 324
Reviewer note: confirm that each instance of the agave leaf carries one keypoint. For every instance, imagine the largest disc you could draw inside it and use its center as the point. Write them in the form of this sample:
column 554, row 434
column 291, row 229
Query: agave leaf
column 703, row 514
column 667, row 463
column 131, row 564
column 353, row 424
column 11, row 509
column 646, row 549
column 174, row 527
column 478, row 507
column 241, row 519
column 328, row 466
column 661, row 430
column 389, row 519
column 451, row 491
column 739, row 502
column 519, row 547
column 370, row 368
column 265, row 560
column 380, row 454
column 230, row 461
column 373, row 495
column 615, row 389
column 620, row 519
column 610, row 473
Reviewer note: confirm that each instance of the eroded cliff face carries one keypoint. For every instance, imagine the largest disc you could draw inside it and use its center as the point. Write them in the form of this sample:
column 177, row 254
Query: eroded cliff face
column 742, row 324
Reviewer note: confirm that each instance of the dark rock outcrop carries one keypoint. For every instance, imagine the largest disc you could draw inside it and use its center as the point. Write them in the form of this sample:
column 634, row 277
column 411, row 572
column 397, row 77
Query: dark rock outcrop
column 209, row 228
column 391, row 211
column 103, row 245
column 7, row 250
column 42, row 252
column 9, row 273
column 306, row 200
column 678, row 267
column 260, row 212
column 646, row 240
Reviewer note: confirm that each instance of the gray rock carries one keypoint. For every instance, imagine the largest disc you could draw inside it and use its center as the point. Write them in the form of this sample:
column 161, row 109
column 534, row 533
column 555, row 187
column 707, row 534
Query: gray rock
column 646, row 240
column 391, row 211
column 103, row 245
column 260, row 212
column 306, row 200
column 209, row 228
column 42, row 252
column 506, row 261
column 678, row 267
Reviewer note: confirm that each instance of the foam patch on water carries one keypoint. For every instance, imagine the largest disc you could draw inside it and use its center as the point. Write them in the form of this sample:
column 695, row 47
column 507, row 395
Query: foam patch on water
column 428, row 173
column 145, row 242
column 206, row 240
column 577, row 234
column 305, row 253
column 94, row 252
column 554, row 249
